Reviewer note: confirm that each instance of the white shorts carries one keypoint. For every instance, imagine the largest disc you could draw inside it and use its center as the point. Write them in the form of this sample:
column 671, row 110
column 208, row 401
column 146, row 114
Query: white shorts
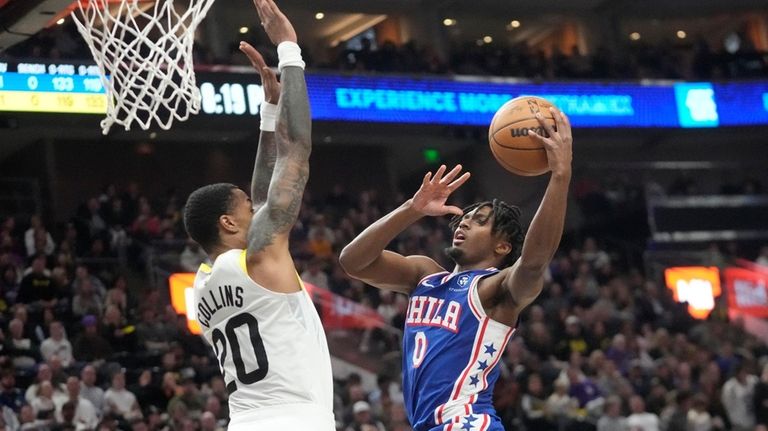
column 305, row 417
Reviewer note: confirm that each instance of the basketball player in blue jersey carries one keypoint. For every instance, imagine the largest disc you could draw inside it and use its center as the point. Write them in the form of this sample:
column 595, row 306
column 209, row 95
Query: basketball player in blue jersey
column 250, row 303
column 458, row 323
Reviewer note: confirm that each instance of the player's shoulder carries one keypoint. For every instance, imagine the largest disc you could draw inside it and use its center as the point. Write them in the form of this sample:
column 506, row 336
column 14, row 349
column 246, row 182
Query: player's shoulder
column 227, row 262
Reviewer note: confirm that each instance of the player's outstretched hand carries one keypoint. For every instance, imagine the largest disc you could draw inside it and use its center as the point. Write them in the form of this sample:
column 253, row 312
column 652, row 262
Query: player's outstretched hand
column 434, row 191
column 268, row 76
column 558, row 143
column 275, row 23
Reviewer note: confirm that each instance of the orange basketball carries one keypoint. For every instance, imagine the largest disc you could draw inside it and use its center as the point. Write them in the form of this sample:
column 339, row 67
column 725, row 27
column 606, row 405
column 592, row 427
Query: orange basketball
column 511, row 145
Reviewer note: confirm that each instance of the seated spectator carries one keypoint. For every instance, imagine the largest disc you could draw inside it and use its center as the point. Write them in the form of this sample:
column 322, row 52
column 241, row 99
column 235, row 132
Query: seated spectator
column 44, row 375
column 84, row 415
column 89, row 346
column 57, row 344
column 82, row 275
column 640, row 419
column 737, row 396
column 315, row 275
column 37, row 289
column 560, row 406
column 36, row 228
column 208, row 423
column 120, row 401
column 192, row 256
column 114, row 328
column 89, row 389
column 612, row 420
column 29, row 421
column 86, row 301
column 363, row 419
column 43, row 400
column 23, row 351
column 534, row 404
column 10, row 395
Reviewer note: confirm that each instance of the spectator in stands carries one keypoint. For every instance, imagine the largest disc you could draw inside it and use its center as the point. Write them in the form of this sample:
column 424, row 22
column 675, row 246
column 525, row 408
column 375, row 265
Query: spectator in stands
column 29, row 421
column 36, row 229
column 42, row 400
column 65, row 419
column 115, row 329
column 57, row 344
column 208, row 422
column 192, row 256
column 561, row 406
column 89, row 389
column 573, row 341
column 760, row 402
column 738, row 394
column 85, row 414
column 612, row 420
column 314, row 274
column 640, row 419
column 87, row 300
column 82, row 276
column 89, row 346
column 534, row 404
column 10, row 395
column 120, row 401
column 23, row 351
column 37, row 289
column 699, row 418
column 44, row 374
column 363, row 419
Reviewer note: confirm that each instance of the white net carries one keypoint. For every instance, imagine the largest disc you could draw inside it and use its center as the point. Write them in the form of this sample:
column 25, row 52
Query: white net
column 144, row 52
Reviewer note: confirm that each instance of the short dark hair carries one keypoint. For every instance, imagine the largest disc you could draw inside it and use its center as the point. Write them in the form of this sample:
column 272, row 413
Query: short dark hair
column 202, row 211
column 506, row 220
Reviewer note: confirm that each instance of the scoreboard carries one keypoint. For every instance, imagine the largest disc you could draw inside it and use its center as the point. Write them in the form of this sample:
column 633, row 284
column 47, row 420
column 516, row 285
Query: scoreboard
column 52, row 88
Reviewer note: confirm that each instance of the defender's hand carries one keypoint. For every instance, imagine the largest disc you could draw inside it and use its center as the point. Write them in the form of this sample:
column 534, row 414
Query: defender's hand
column 434, row 191
column 275, row 23
column 559, row 143
column 268, row 76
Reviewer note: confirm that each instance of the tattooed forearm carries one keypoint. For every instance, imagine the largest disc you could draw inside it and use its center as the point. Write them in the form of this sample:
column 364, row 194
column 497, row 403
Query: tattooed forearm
column 293, row 144
column 263, row 168
column 294, row 126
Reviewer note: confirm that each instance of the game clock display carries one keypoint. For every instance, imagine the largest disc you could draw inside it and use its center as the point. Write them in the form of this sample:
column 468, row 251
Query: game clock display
column 231, row 98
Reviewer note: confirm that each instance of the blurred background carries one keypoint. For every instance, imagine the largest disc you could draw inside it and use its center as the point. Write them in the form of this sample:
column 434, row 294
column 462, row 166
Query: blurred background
column 654, row 312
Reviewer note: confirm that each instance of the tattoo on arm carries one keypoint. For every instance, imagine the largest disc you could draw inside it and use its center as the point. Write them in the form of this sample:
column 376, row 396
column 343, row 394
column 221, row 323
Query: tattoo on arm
column 266, row 156
column 293, row 144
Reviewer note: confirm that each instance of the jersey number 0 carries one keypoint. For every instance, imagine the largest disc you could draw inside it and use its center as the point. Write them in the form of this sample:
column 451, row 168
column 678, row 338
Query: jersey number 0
column 243, row 376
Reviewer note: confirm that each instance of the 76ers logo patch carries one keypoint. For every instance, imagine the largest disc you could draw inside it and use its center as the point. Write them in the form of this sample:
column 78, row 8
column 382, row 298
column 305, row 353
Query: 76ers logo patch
column 463, row 280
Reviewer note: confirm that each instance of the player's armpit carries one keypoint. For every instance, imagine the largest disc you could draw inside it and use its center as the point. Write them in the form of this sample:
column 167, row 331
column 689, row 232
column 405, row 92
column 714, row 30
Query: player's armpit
column 505, row 294
column 393, row 271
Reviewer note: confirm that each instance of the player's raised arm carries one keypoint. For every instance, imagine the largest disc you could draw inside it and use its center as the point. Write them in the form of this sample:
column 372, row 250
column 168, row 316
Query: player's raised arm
column 267, row 152
column 271, row 224
column 525, row 279
column 366, row 259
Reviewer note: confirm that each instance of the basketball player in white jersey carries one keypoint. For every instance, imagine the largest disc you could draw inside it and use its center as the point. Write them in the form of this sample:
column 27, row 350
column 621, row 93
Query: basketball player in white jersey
column 250, row 302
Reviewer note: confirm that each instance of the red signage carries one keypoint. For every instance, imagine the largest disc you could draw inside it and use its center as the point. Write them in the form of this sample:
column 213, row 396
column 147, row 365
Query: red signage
column 336, row 311
column 747, row 291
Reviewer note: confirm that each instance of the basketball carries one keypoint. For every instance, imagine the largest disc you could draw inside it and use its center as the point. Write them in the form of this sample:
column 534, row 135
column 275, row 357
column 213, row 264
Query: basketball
column 509, row 137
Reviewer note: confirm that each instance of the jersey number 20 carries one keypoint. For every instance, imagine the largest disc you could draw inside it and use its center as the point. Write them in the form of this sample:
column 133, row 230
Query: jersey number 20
column 243, row 376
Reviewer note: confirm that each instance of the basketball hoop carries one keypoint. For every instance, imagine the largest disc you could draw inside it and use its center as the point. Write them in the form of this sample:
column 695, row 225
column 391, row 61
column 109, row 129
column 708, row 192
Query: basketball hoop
column 144, row 52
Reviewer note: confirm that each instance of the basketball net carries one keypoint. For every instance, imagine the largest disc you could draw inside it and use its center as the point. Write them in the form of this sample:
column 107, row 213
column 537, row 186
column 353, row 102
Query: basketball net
column 144, row 53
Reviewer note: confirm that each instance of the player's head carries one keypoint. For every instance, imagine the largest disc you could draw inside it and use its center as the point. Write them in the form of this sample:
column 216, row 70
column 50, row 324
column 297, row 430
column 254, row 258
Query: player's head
column 218, row 215
column 490, row 228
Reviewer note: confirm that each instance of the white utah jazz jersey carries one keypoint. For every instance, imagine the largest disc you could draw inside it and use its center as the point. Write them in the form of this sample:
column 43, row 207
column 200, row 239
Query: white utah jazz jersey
column 271, row 346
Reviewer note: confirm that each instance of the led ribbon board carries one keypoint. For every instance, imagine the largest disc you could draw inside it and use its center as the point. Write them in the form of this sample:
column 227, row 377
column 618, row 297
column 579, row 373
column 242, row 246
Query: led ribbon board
column 69, row 88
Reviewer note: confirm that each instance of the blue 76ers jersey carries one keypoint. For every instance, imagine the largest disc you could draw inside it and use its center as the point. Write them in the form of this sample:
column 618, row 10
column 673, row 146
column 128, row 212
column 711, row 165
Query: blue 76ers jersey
column 450, row 352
